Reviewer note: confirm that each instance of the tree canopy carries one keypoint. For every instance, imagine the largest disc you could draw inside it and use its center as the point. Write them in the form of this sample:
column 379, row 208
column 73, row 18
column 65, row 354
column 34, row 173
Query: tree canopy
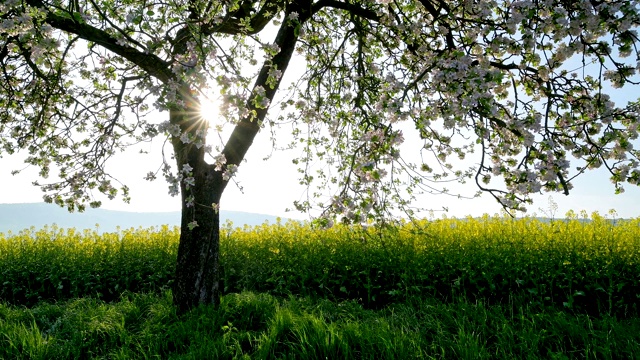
column 523, row 87
column 524, row 84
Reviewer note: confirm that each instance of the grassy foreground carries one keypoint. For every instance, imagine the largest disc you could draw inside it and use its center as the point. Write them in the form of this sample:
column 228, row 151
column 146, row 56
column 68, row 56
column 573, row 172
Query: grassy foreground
column 260, row 326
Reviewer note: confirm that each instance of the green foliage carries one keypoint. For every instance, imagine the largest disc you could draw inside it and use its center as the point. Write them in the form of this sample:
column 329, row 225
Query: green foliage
column 587, row 267
column 55, row 264
column 261, row 326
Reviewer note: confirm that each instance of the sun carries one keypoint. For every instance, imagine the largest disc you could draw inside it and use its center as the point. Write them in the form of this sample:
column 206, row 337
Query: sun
column 210, row 110
column 218, row 128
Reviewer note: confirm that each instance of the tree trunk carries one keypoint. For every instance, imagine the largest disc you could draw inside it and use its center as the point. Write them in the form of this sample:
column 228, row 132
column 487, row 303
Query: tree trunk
column 197, row 268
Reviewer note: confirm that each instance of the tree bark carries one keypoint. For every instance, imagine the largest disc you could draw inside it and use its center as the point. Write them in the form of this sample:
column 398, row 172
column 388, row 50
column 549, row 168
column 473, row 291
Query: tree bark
column 197, row 268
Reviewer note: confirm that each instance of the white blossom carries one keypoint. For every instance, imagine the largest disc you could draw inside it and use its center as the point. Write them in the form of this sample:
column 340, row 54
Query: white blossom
column 229, row 172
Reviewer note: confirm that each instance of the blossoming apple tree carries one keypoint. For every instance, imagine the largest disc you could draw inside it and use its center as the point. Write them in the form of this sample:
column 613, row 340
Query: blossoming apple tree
column 522, row 87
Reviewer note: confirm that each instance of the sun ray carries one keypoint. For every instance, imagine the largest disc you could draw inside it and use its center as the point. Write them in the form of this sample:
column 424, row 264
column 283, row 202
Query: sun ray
column 218, row 129
column 210, row 110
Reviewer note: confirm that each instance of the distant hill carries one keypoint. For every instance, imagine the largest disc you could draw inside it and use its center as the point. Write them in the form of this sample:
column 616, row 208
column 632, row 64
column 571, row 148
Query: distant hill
column 16, row 217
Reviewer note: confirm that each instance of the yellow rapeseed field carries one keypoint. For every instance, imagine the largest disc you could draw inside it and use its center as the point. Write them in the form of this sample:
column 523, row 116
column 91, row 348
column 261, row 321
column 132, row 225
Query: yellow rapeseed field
column 584, row 262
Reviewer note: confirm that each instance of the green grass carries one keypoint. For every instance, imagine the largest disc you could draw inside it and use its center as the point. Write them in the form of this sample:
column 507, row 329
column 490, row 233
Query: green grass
column 260, row 326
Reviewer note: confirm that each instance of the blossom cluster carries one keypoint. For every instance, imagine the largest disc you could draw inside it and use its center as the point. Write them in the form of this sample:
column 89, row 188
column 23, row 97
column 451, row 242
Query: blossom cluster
column 516, row 88
column 493, row 79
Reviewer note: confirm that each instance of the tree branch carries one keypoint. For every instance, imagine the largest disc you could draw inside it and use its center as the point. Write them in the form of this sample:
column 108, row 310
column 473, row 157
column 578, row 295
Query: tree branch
column 152, row 64
column 436, row 14
column 257, row 23
column 247, row 128
column 353, row 9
